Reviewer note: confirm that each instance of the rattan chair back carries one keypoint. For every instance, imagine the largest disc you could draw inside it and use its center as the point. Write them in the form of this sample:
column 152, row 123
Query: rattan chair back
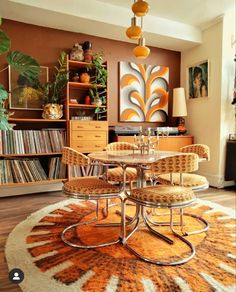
column 187, row 162
column 202, row 150
column 73, row 157
column 120, row 146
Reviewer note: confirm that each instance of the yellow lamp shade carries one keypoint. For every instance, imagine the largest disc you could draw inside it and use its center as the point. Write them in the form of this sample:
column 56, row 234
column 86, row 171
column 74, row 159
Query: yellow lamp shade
column 134, row 32
column 140, row 8
column 141, row 52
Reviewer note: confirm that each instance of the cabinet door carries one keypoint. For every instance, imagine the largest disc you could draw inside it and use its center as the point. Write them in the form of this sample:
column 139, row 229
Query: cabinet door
column 170, row 143
column 174, row 143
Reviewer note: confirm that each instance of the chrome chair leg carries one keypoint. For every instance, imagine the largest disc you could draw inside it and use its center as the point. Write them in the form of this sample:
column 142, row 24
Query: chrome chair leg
column 86, row 223
column 154, row 261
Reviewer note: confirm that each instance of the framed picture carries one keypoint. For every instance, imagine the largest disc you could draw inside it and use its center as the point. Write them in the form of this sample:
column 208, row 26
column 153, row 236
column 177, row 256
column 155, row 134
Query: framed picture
column 25, row 93
column 144, row 92
column 198, row 80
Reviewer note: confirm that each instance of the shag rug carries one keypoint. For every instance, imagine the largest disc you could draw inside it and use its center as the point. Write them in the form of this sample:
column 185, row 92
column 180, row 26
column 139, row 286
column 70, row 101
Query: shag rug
column 35, row 246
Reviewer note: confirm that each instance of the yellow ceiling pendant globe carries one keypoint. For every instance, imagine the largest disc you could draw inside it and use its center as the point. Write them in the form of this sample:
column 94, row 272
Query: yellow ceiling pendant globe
column 140, row 8
column 134, row 31
column 141, row 51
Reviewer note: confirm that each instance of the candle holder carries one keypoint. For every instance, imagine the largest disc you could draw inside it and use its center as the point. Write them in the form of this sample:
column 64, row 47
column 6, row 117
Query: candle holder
column 146, row 142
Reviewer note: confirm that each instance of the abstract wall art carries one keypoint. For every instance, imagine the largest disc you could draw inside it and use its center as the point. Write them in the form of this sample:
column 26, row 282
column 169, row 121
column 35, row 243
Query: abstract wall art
column 144, row 91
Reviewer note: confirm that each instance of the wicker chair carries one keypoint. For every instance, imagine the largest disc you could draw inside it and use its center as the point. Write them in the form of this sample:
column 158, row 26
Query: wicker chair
column 195, row 181
column 116, row 174
column 164, row 196
column 86, row 188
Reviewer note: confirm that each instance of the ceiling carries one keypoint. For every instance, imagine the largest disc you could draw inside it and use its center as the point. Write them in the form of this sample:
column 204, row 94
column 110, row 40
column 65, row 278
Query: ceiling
column 198, row 13
column 170, row 24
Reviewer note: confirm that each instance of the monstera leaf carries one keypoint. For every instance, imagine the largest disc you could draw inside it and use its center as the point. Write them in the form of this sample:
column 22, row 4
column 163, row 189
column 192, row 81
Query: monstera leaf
column 24, row 64
column 5, row 42
column 3, row 93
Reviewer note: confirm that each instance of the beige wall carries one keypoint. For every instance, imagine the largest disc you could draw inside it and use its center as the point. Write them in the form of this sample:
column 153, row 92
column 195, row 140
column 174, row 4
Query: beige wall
column 210, row 119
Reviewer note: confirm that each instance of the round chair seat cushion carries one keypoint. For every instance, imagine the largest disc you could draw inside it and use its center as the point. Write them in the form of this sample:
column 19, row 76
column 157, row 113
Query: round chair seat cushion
column 163, row 194
column 189, row 179
column 90, row 186
column 116, row 174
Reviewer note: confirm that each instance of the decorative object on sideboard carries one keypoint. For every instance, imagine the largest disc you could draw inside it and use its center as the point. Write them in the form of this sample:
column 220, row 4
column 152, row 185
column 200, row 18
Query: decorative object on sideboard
column 198, row 80
column 24, row 64
column 77, row 53
column 180, row 108
column 140, row 8
column 54, row 90
column 143, row 95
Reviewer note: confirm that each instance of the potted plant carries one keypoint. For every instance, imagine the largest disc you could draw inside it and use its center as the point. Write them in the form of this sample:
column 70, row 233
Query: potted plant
column 24, row 64
column 99, row 78
column 54, row 90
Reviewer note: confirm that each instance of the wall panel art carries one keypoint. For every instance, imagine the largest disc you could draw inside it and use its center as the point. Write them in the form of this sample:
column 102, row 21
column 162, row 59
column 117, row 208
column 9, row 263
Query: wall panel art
column 144, row 91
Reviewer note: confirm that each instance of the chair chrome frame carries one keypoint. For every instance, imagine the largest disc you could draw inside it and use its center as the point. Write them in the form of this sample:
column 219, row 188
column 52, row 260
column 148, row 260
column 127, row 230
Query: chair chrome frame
column 86, row 197
column 142, row 215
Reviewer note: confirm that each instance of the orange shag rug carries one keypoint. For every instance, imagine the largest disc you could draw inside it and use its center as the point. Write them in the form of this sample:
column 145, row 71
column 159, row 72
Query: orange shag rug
column 35, row 246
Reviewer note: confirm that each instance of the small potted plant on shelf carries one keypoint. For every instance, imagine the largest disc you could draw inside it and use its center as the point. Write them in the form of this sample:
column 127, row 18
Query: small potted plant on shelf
column 54, row 90
column 98, row 95
column 24, row 64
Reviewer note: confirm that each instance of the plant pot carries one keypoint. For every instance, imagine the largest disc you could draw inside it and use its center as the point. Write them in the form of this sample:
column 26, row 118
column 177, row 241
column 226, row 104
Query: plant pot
column 97, row 102
column 52, row 111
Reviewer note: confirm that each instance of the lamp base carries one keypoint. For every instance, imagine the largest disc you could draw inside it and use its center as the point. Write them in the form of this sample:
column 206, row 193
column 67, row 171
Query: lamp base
column 181, row 126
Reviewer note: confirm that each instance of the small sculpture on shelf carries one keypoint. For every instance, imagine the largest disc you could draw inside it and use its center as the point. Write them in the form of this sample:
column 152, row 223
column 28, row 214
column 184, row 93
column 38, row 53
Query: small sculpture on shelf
column 88, row 56
column 77, row 53
column 52, row 111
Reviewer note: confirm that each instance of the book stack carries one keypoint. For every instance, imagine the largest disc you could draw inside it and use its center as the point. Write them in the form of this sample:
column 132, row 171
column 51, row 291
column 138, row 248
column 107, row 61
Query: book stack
column 57, row 170
column 21, row 171
column 32, row 141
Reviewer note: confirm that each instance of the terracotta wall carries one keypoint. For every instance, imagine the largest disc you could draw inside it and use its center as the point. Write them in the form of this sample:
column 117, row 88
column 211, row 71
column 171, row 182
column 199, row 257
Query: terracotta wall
column 45, row 44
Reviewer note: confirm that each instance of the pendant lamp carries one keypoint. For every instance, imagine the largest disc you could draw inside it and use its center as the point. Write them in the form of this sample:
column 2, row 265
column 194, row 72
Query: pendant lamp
column 134, row 31
column 140, row 8
column 141, row 51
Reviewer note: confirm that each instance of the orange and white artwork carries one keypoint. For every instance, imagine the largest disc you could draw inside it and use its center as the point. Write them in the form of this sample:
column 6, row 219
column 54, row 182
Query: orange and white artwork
column 144, row 91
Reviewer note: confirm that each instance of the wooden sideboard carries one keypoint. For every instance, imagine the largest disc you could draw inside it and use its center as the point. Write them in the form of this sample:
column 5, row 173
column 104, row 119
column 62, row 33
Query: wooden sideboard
column 170, row 143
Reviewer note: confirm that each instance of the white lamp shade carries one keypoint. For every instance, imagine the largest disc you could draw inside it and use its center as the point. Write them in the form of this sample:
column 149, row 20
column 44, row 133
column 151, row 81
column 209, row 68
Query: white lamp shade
column 179, row 103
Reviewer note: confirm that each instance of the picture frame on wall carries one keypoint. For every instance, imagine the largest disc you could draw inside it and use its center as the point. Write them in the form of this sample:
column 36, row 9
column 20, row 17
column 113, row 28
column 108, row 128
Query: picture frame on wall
column 25, row 93
column 198, row 80
column 143, row 92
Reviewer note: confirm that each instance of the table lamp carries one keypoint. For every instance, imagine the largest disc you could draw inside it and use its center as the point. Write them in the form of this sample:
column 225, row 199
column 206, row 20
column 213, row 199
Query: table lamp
column 179, row 108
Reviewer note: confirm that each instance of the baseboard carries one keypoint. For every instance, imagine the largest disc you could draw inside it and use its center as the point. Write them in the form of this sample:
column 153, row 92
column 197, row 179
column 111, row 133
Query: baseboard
column 24, row 190
column 217, row 180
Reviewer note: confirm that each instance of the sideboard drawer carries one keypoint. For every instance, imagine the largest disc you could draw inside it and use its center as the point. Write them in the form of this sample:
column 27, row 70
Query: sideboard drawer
column 88, row 135
column 89, row 125
column 87, row 146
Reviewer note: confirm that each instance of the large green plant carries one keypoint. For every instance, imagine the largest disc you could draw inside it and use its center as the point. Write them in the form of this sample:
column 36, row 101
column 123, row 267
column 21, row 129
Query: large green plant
column 24, row 64
column 55, row 89
column 99, row 78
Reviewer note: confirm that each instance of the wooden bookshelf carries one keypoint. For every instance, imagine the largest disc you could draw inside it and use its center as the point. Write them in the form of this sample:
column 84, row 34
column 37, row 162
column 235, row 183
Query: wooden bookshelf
column 78, row 85
column 31, row 154
column 49, row 181
column 92, row 106
column 21, row 120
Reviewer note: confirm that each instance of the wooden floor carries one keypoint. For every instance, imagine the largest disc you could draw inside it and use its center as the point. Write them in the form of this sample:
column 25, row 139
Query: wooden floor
column 15, row 209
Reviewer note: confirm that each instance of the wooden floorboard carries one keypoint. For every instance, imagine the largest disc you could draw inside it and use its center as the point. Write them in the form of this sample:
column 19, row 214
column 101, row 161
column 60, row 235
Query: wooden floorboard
column 15, row 209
